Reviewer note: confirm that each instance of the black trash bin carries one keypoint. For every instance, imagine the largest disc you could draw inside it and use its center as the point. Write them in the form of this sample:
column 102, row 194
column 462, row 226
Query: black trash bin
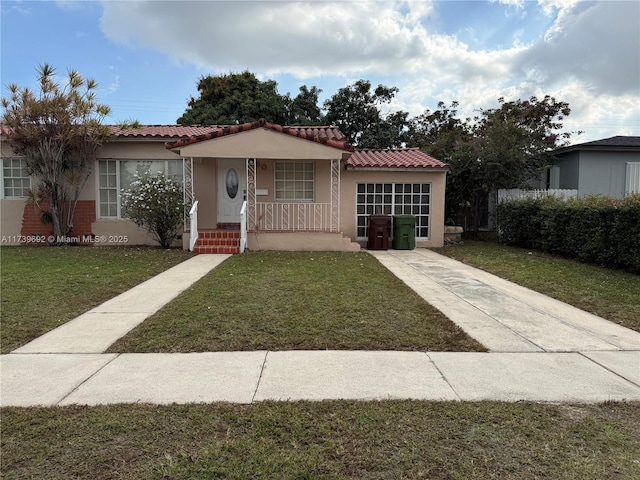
column 404, row 232
column 379, row 227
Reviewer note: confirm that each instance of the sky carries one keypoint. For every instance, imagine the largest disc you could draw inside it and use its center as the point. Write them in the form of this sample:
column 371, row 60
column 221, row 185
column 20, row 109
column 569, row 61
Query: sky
column 148, row 55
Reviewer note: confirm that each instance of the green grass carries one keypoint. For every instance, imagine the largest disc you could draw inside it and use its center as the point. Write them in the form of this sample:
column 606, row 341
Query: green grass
column 610, row 294
column 297, row 300
column 44, row 287
column 326, row 440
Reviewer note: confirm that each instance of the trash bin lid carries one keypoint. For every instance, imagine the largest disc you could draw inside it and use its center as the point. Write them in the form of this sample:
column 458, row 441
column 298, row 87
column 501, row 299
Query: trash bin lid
column 380, row 219
column 404, row 219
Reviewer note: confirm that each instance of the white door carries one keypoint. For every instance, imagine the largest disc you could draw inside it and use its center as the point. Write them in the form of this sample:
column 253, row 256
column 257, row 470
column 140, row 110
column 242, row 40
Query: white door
column 232, row 187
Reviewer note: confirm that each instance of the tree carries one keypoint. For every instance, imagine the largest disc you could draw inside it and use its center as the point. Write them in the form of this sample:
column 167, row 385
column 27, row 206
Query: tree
column 304, row 109
column 234, row 98
column 506, row 147
column 356, row 111
column 57, row 130
column 515, row 140
column 444, row 136
column 156, row 203
column 242, row 98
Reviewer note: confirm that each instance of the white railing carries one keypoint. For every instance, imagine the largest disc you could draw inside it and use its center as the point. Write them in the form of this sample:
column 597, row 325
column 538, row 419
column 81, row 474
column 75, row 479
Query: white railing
column 193, row 225
column 504, row 195
column 291, row 217
column 243, row 227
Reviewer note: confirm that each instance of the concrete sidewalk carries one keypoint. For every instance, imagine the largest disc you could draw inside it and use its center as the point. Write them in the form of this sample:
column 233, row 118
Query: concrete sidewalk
column 541, row 350
column 247, row 377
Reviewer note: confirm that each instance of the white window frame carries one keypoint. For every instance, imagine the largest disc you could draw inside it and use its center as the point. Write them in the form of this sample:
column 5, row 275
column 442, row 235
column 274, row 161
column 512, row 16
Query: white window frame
column 632, row 178
column 118, row 162
column 279, row 184
column 390, row 198
column 2, row 178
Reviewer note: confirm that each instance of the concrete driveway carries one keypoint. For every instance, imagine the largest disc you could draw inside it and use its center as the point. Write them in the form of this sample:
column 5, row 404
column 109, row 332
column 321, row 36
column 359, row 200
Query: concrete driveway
column 501, row 315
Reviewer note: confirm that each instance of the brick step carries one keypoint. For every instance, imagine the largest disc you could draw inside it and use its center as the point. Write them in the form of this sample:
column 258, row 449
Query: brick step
column 205, row 234
column 208, row 249
column 218, row 241
column 221, row 240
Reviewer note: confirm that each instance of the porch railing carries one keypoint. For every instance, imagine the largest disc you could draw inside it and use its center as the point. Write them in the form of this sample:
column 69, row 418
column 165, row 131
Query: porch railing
column 291, row 217
column 193, row 225
column 243, row 227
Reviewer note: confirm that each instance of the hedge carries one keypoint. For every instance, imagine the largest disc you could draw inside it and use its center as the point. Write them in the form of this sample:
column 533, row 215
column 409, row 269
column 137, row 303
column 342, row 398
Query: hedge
column 600, row 230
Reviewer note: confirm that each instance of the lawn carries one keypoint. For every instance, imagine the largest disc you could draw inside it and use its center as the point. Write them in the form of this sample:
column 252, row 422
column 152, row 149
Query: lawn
column 297, row 301
column 324, row 440
column 610, row 294
column 44, row 287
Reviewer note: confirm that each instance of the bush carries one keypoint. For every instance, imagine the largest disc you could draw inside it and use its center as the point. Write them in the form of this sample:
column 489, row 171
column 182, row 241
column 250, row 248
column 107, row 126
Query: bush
column 156, row 203
column 600, row 230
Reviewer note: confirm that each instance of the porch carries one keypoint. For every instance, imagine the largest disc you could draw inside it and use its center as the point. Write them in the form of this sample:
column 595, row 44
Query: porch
column 266, row 178
column 239, row 203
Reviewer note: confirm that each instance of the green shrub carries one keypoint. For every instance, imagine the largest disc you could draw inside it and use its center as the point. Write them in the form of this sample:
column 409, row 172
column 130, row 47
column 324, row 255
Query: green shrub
column 156, row 203
column 600, row 230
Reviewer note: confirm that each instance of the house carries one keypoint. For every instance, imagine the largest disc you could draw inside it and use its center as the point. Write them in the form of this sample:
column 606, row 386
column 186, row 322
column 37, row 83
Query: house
column 609, row 167
column 290, row 188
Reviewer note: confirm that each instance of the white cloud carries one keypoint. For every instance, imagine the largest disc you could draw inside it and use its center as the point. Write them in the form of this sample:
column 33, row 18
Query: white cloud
column 589, row 56
column 597, row 43
column 115, row 85
column 305, row 39
column 513, row 3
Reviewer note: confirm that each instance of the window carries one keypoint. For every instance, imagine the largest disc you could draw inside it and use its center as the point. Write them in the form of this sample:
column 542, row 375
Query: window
column 294, row 181
column 393, row 199
column 117, row 175
column 632, row 184
column 15, row 180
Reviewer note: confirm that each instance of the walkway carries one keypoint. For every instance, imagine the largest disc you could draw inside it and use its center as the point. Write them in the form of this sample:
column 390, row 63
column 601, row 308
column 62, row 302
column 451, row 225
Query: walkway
column 540, row 350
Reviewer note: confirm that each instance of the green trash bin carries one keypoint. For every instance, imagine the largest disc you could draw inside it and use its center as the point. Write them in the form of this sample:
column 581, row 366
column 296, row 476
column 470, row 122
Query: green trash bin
column 404, row 232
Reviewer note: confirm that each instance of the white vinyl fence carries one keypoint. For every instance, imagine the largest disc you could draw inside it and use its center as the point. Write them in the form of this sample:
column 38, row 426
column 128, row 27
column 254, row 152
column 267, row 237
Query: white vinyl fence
column 504, row 195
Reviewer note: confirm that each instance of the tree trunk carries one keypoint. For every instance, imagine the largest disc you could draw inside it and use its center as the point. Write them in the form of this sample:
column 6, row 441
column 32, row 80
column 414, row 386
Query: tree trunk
column 56, row 216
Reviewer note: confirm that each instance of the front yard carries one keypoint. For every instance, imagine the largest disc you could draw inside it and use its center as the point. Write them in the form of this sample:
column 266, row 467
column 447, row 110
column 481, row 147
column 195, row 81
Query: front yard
column 297, row 301
column 302, row 300
column 44, row 287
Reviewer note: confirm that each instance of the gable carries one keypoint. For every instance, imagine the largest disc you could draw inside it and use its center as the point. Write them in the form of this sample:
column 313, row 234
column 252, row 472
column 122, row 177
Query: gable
column 258, row 143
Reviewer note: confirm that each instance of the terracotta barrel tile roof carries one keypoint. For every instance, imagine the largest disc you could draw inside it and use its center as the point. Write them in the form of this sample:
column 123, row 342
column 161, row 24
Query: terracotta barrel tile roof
column 394, row 158
column 161, row 131
column 329, row 136
column 146, row 131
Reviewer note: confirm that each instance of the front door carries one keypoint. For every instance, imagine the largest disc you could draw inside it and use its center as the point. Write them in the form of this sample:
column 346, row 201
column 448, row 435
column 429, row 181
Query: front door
column 232, row 185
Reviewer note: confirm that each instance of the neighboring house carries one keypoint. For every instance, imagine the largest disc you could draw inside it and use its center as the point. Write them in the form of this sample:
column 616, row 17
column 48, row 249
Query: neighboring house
column 305, row 187
column 609, row 167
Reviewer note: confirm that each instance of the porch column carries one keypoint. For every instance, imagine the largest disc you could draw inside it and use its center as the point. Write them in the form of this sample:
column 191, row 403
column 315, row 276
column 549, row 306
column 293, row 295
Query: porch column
column 251, row 194
column 187, row 182
column 335, row 195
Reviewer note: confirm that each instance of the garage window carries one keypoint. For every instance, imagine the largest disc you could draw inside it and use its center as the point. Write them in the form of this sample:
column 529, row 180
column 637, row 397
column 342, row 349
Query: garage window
column 393, row 199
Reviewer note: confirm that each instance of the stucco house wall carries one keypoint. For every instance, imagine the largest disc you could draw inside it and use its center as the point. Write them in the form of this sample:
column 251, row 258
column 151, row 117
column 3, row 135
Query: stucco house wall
column 437, row 179
column 267, row 146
